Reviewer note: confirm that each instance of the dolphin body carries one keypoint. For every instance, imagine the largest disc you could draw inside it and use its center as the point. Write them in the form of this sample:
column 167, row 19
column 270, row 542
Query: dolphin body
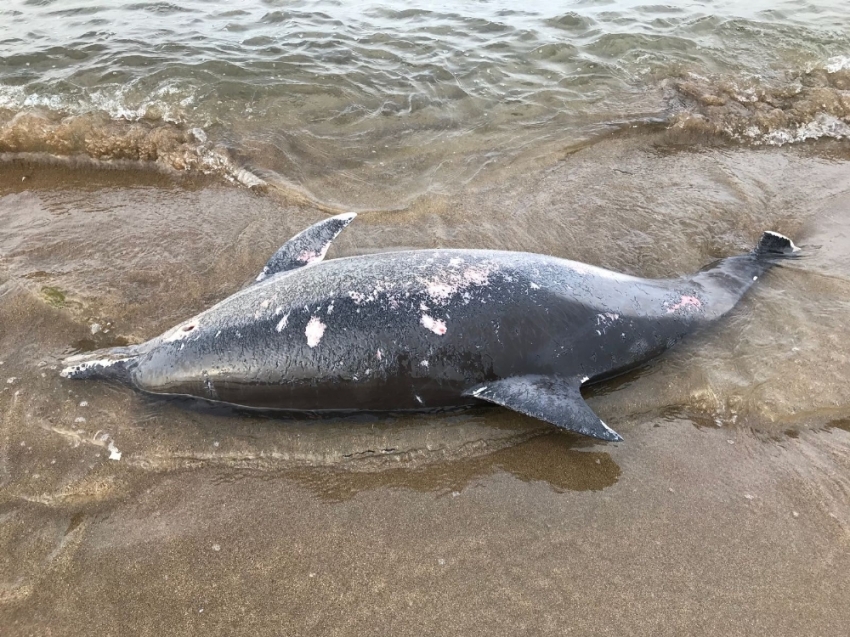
column 427, row 330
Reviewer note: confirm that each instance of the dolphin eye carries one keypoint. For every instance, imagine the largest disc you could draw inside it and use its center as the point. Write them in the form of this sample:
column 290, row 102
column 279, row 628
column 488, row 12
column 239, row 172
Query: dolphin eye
column 188, row 328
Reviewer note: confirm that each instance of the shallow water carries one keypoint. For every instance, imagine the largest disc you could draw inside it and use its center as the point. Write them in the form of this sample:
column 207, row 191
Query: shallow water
column 646, row 139
column 371, row 105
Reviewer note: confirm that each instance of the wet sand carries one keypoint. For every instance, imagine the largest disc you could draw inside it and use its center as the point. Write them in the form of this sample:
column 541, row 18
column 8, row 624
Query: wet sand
column 726, row 511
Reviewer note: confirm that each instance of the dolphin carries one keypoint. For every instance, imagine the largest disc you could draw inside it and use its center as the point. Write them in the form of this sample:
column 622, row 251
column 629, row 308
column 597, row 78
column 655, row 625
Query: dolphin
column 428, row 330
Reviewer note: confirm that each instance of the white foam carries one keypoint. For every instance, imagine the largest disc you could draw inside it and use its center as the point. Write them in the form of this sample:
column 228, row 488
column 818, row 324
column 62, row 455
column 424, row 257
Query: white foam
column 837, row 63
column 114, row 454
column 823, row 125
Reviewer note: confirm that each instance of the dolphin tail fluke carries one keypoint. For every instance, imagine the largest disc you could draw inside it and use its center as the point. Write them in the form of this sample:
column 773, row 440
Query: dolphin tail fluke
column 114, row 363
column 774, row 245
column 550, row 398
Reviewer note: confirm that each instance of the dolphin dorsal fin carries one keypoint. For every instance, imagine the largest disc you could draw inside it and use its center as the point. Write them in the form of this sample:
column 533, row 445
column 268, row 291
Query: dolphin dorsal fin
column 551, row 398
column 306, row 247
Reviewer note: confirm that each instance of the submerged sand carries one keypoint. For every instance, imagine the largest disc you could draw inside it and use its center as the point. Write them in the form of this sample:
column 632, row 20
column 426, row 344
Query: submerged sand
column 726, row 511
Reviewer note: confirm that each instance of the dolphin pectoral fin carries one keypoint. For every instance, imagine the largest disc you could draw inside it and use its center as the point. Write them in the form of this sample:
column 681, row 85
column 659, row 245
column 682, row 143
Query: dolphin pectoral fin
column 306, row 247
column 550, row 398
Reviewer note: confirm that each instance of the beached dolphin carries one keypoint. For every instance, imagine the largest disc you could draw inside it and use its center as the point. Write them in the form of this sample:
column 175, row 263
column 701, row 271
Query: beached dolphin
column 428, row 330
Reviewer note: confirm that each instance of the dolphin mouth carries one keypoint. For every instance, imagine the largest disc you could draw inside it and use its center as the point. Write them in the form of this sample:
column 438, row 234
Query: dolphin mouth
column 113, row 363
column 83, row 367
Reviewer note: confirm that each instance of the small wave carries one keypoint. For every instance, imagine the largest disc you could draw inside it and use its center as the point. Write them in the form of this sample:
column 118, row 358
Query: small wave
column 168, row 102
column 838, row 63
column 785, row 108
column 97, row 138
column 796, row 107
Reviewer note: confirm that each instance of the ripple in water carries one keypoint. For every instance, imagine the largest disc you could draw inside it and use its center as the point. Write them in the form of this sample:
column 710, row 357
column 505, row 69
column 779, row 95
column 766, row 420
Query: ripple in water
column 372, row 104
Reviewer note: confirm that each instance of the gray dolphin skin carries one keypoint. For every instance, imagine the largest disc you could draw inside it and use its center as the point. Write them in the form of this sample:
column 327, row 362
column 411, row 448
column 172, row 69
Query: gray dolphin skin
column 428, row 330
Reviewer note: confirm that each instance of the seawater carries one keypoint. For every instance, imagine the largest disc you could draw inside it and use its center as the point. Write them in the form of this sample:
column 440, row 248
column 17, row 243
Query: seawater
column 375, row 103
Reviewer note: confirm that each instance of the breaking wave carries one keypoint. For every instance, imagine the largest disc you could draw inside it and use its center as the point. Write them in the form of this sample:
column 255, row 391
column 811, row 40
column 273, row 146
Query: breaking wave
column 97, row 138
column 782, row 108
column 791, row 108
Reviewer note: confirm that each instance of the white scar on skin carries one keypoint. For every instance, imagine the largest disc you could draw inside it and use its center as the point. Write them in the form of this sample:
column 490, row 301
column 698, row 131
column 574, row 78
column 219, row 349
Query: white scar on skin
column 379, row 355
column 448, row 283
column 533, row 286
column 424, row 364
column 282, row 323
column 435, row 325
column 314, row 331
column 684, row 303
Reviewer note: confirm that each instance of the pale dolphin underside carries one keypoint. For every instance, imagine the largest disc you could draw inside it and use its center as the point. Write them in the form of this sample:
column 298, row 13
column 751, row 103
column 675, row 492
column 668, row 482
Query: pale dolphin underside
column 427, row 330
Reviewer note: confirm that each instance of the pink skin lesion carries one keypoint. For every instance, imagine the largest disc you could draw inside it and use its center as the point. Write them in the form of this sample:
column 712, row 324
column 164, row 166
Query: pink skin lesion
column 440, row 291
column 685, row 303
column 310, row 256
column 435, row 325
column 477, row 275
column 448, row 283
